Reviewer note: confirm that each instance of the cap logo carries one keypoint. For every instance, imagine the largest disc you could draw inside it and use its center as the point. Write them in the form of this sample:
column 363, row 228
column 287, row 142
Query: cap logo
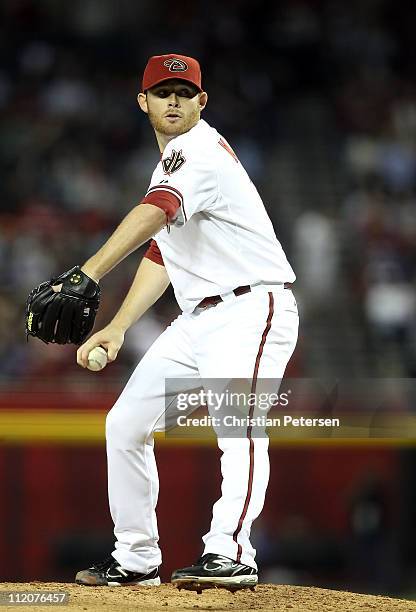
column 175, row 65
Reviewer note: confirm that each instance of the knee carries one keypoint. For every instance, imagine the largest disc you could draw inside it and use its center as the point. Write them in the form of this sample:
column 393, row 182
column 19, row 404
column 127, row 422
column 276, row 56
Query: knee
column 121, row 431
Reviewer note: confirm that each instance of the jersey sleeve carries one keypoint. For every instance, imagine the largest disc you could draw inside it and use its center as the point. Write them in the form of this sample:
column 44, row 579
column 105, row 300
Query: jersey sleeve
column 184, row 184
column 163, row 198
column 153, row 253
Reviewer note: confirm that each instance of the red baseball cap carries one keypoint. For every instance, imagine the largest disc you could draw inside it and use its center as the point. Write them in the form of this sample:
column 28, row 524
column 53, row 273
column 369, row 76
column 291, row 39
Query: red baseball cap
column 172, row 66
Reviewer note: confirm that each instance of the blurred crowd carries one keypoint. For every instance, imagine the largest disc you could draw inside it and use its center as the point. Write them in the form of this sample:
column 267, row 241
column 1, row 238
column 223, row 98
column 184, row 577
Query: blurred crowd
column 379, row 220
column 76, row 154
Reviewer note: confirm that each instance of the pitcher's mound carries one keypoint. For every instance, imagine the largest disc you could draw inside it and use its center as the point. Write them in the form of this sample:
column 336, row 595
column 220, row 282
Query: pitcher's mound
column 167, row 598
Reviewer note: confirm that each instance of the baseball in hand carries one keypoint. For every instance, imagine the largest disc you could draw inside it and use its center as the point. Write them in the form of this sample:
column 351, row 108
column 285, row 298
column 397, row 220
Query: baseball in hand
column 97, row 359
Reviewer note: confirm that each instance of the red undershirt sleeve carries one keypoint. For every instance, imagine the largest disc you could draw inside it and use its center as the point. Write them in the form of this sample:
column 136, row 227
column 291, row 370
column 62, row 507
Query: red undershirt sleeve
column 153, row 253
column 164, row 197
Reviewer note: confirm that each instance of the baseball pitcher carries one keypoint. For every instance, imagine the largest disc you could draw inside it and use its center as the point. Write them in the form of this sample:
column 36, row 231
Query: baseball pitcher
column 212, row 239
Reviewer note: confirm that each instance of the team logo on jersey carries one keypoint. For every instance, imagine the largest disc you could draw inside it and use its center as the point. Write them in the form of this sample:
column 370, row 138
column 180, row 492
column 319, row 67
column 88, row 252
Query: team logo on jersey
column 175, row 65
column 172, row 163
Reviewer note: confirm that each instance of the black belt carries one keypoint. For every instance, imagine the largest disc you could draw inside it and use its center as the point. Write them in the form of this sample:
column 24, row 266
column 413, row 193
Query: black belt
column 213, row 300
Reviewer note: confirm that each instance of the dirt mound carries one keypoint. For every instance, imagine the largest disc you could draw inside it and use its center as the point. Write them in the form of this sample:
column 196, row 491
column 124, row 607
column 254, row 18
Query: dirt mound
column 166, row 597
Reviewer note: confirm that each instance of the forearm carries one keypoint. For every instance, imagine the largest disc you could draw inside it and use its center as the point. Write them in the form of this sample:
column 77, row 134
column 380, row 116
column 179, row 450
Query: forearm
column 137, row 227
column 150, row 282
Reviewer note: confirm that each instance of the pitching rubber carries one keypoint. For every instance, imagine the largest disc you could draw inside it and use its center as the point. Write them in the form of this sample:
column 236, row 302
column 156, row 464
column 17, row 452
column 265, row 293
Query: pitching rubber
column 150, row 582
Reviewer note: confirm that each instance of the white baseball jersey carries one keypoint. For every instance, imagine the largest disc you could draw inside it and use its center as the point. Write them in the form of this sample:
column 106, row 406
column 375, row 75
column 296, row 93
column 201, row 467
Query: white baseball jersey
column 219, row 235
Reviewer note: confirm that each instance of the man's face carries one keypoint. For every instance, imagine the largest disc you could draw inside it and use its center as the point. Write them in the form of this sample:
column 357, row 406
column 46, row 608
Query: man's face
column 173, row 106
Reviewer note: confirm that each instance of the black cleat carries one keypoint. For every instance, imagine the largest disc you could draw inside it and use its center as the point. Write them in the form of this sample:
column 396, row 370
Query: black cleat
column 212, row 571
column 110, row 573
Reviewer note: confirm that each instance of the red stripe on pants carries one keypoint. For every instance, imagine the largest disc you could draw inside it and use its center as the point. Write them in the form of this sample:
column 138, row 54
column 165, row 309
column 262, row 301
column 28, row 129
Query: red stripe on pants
column 249, row 428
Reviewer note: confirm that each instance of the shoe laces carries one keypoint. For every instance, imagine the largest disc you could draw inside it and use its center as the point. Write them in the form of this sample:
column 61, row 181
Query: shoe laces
column 106, row 563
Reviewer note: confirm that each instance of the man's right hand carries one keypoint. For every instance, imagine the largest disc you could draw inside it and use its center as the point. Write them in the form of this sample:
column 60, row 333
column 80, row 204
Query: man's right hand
column 111, row 338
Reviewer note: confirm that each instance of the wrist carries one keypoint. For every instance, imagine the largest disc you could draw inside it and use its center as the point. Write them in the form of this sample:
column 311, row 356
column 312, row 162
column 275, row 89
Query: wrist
column 90, row 270
column 121, row 325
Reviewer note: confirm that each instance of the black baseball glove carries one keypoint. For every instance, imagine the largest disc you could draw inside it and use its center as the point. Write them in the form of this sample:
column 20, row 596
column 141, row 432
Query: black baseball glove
column 67, row 316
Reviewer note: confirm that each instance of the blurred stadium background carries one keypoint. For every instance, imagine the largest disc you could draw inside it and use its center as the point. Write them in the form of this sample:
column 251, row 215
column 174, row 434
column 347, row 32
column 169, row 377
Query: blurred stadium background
column 318, row 98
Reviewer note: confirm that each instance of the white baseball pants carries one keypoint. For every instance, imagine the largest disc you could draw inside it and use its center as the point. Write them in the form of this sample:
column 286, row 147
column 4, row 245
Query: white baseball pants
column 252, row 335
